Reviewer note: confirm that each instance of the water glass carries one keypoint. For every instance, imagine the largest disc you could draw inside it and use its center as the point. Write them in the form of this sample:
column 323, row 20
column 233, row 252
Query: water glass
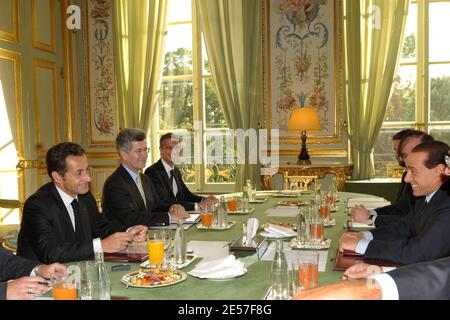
column 308, row 270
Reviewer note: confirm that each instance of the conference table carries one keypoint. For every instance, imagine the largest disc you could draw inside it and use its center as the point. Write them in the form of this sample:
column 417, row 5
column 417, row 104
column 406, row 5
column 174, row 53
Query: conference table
column 255, row 284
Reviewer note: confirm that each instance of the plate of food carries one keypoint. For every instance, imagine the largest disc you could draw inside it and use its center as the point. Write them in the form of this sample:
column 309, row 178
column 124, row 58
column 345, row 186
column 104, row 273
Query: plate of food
column 292, row 203
column 292, row 226
column 215, row 227
column 189, row 259
column 240, row 212
column 153, row 278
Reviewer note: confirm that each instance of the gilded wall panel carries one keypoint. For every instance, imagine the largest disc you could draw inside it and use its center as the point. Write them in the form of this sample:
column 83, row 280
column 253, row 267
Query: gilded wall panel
column 43, row 25
column 46, row 103
column 9, row 20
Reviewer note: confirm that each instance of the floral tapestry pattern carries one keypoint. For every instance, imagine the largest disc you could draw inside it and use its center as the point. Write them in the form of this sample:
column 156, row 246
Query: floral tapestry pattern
column 102, row 104
column 302, row 51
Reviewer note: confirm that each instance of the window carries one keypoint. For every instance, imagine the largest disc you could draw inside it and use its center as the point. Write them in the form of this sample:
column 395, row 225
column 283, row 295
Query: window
column 188, row 104
column 421, row 95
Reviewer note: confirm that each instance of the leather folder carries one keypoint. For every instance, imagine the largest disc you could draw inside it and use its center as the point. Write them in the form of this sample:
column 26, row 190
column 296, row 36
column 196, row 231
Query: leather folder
column 344, row 260
column 125, row 257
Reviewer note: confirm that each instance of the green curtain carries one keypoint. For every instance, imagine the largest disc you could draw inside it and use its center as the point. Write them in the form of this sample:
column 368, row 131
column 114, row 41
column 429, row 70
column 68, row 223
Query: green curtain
column 232, row 30
column 373, row 39
column 139, row 30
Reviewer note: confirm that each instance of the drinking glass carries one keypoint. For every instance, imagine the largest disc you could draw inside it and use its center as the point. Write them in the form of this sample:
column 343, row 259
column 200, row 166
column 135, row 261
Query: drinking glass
column 206, row 217
column 89, row 282
column 324, row 211
column 294, row 281
column 308, row 270
column 232, row 203
column 166, row 237
column 316, row 230
column 155, row 250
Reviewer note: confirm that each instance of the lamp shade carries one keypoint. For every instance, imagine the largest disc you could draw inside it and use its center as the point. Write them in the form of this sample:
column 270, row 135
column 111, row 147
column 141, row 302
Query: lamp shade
column 303, row 119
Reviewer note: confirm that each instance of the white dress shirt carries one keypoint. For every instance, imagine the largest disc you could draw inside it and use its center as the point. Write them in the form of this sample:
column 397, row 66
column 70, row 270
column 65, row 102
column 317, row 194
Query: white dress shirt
column 67, row 199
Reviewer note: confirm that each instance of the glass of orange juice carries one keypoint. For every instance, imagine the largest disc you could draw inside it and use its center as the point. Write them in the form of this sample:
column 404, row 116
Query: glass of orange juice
column 155, row 247
column 65, row 290
column 232, row 203
column 206, row 217
column 308, row 270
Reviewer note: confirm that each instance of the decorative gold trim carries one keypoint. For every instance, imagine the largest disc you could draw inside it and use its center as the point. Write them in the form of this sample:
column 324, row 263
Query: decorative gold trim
column 49, row 47
column 338, row 136
column 46, row 64
column 102, row 155
column 342, row 172
column 14, row 36
column 68, row 72
column 28, row 164
column 315, row 152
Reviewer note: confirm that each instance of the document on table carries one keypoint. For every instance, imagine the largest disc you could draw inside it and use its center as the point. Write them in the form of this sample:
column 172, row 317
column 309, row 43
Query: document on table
column 209, row 249
column 369, row 203
column 282, row 211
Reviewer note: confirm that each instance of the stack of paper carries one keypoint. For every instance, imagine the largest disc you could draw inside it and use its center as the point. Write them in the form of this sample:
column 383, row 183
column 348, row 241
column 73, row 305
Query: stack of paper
column 368, row 202
column 282, row 211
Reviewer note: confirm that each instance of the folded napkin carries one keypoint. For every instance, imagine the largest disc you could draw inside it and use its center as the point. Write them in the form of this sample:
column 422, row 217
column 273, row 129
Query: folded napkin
column 279, row 230
column 252, row 228
column 225, row 267
column 369, row 203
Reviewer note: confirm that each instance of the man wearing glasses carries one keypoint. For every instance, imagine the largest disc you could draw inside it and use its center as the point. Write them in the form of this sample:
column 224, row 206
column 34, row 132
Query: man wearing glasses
column 129, row 197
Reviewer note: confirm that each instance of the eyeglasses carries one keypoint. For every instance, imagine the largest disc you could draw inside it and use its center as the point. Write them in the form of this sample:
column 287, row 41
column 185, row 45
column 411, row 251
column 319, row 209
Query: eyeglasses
column 142, row 150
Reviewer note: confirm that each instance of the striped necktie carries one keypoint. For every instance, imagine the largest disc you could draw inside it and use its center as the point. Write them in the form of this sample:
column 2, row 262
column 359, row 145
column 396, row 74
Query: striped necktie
column 141, row 189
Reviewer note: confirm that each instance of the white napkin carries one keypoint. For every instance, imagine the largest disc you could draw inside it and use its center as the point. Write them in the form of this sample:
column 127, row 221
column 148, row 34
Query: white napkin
column 252, row 228
column 369, row 203
column 279, row 230
column 225, row 267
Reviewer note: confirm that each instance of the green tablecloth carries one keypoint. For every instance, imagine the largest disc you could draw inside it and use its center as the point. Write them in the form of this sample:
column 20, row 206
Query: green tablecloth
column 252, row 285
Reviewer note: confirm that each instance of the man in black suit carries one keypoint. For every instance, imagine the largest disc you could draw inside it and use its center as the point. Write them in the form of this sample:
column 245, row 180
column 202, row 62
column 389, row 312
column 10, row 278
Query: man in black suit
column 168, row 180
column 25, row 278
column 129, row 196
column 405, row 199
column 423, row 234
column 61, row 221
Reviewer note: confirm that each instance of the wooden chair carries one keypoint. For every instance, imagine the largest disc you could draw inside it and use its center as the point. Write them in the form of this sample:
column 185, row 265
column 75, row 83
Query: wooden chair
column 299, row 182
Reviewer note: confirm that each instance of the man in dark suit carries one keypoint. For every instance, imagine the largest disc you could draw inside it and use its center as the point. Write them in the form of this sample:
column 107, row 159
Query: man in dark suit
column 423, row 234
column 168, row 180
column 25, row 278
column 129, row 196
column 405, row 199
column 61, row 221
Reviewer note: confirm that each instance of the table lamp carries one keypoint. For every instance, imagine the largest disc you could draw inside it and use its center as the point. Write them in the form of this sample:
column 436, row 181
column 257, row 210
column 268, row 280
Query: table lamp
column 301, row 120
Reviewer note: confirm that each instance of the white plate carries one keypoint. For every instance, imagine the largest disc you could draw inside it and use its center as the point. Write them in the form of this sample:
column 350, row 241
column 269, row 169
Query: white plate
column 244, row 271
column 273, row 236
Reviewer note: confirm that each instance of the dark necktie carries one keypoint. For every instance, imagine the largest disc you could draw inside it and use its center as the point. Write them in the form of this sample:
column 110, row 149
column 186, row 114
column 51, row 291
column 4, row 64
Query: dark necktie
column 171, row 181
column 76, row 213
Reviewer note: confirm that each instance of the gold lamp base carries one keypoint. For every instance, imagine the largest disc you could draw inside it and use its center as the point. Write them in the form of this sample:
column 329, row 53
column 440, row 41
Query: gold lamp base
column 304, row 162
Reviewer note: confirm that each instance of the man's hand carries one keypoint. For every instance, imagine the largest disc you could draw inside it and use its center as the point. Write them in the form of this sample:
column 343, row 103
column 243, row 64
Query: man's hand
column 349, row 240
column 51, row 271
column 138, row 232
column 361, row 271
column 345, row 290
column 177, row 211
column 116, row 242
column 207, row 202
column 26, row 288
column 360, row 214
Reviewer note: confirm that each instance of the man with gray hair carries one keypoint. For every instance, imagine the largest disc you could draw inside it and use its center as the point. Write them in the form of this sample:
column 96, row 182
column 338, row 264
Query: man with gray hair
column 128, row 195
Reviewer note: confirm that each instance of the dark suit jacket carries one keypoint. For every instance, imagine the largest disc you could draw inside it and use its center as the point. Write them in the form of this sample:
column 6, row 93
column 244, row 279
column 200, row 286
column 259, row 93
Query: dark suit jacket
column 123, row 204
column 426, row 280
column 422, row 235
column 389, row 214
column 160, row 179
column 12, row 267
column 46, row 232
